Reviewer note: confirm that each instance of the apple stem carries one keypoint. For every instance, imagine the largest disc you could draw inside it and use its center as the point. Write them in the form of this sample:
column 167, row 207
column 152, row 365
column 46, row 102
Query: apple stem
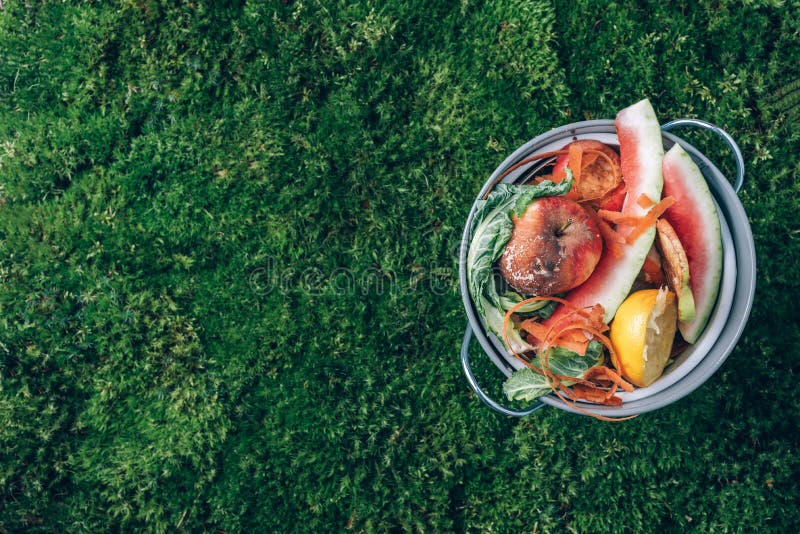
column 563, row 228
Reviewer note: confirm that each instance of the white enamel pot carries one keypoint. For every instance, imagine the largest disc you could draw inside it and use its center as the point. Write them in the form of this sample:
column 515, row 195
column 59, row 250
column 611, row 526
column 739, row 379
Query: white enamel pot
column 726, row 324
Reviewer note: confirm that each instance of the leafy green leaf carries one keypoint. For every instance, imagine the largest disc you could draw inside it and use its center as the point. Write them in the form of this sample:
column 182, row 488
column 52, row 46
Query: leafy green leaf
column 545, row 188
column 490, row 231
column 527, row 384
column 542, row 308
column 547, row 310
column 565, row 362
column 510, row 299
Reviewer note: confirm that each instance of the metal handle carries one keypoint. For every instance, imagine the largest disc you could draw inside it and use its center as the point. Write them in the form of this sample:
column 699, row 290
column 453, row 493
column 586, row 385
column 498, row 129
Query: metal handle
column 703, row 125
column 477, row 388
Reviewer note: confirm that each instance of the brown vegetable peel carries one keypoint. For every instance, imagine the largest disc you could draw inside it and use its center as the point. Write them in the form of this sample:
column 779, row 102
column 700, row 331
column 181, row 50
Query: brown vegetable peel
column 676, row 267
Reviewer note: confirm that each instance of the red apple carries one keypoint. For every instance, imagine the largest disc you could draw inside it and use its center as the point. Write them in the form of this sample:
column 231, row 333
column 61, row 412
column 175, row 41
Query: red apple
column 554, row 247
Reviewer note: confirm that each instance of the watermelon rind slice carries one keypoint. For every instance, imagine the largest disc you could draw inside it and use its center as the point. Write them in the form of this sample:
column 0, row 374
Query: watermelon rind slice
column 695, row 219
column 641, row 152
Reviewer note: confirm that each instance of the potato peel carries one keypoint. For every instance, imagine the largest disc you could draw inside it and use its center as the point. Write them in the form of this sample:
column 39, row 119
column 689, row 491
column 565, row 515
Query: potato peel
column 676, row 267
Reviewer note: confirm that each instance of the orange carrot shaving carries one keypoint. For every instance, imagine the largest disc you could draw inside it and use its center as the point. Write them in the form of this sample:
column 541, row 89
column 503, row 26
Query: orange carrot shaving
column 653, row 272
column 592, row 393
column 558, row 387
column 619, row 218
column 612, row 239
column 650, row 218
column 587, row 322
column 518, row 305
column 644, row 201
column 639, row 224
column 575, row 155
column 609, row 375
column 592, row 316
column 595, row 332
column 540, row 332
column 596, row 314
column 601, row 372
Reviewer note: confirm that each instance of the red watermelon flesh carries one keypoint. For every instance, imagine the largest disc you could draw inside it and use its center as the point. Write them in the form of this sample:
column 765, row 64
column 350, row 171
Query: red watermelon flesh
column 696, row 222
column 641, row 152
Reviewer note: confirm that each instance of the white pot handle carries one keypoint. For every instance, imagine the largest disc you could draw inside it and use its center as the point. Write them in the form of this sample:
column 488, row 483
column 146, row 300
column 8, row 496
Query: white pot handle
column 477, row 388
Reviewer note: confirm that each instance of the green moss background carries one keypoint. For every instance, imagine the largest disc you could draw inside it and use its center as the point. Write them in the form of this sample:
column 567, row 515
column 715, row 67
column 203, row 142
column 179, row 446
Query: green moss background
column 228, row 281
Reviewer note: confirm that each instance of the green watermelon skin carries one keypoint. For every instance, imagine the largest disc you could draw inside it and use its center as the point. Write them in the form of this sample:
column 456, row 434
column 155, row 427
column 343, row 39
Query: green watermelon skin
column 696, row 222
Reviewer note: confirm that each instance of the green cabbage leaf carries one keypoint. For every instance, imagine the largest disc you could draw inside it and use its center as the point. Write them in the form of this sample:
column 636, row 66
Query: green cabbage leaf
column 489, row 234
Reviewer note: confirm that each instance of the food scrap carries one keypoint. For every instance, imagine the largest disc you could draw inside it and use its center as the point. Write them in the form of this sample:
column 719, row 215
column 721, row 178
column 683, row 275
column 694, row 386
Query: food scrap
column 586, row 272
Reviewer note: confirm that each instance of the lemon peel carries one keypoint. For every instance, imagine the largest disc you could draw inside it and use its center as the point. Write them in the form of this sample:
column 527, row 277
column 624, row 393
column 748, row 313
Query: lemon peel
column 642, row 333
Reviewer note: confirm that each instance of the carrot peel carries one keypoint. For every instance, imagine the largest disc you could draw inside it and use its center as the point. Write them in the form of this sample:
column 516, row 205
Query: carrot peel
column 618, row 218
column 612, row 239
column 598, row 384
column 650, row 218
column 575, row 156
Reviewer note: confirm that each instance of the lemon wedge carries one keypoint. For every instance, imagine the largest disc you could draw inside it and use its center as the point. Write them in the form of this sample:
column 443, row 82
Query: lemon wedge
column 642, row 333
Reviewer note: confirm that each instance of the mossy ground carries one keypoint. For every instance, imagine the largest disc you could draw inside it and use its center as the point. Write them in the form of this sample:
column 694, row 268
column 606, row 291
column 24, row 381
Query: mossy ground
column 228, row 281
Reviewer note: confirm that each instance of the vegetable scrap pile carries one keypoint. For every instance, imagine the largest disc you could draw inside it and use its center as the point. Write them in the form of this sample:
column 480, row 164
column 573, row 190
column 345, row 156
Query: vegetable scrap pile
column 594, row 231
